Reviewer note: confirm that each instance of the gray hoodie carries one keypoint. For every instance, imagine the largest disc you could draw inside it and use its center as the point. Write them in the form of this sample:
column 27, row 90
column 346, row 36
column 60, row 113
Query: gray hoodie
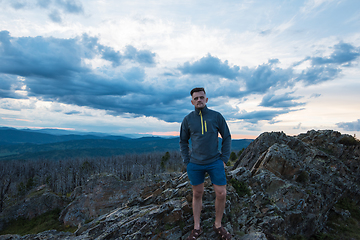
column 203, row 127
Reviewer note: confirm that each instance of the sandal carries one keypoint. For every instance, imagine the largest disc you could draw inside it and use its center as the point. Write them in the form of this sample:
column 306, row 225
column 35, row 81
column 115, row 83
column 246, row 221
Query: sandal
column 195, row 233
column 221, row 231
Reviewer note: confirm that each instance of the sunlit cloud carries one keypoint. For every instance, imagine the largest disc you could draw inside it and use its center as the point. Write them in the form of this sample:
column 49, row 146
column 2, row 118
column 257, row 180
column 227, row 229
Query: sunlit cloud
column 16, row 119
column 174, row 134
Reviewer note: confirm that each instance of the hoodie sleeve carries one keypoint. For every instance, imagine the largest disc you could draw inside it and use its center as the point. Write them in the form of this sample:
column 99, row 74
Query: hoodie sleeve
column 226, row 139
column 184, row 141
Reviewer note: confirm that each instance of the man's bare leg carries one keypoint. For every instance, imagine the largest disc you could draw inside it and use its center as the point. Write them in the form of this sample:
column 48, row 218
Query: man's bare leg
column 220, row 201
column 198, row 192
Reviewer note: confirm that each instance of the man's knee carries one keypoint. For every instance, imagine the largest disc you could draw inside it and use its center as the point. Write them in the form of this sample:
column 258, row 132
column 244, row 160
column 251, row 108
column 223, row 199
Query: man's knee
column 221, row 195
column 198, row 194
column 198, row 191
column 220, row 192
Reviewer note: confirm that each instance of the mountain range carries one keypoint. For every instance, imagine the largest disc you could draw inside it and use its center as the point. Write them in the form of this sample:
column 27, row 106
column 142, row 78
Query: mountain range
column 53, row 144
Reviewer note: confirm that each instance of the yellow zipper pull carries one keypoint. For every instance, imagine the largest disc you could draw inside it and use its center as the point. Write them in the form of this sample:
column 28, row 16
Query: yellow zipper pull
column 202, row 123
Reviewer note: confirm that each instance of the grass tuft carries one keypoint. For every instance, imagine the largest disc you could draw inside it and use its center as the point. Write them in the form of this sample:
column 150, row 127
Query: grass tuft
column 44, row 222
column 340, row 228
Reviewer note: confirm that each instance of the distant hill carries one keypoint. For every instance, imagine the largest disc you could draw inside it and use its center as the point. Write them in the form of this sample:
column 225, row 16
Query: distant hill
column 31, row 145
column 16, row 136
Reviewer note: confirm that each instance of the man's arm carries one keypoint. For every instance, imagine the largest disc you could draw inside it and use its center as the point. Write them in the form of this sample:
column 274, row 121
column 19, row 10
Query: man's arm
column 226, row 140
column 184, row 142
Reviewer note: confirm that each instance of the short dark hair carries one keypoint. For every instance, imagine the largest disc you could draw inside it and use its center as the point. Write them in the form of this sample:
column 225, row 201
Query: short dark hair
column 197, row 89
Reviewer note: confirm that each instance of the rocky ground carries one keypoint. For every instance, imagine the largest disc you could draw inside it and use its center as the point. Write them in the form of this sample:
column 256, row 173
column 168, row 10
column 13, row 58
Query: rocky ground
column 281, row 187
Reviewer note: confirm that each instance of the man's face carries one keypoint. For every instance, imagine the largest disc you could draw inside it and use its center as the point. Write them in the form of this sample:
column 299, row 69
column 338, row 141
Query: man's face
column 199, row 99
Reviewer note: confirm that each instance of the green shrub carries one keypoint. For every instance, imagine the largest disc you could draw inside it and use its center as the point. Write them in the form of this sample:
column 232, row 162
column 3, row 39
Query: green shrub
column 168, row 227
column 349, row 141
column 164, row 159
column 322, row 236
column 340, row 228
column 30, row 183
column 44, row 222
column 232, row 156
column 240, row 152
column 241, row 188
column 348, row 204
column 303, row 177
column 325, row 150
column 298, row 237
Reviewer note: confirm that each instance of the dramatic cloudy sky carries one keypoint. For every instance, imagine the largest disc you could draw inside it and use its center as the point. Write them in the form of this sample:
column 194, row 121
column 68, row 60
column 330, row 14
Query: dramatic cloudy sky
column 126, row 67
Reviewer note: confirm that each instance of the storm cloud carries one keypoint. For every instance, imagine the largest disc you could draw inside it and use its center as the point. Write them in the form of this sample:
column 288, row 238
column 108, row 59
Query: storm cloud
column 343, row 54
column 350, row 126
column 212, row 66
column 327, row 68
column 56, row 9
column 54, row 69
column 280, row 101
column 256, row 116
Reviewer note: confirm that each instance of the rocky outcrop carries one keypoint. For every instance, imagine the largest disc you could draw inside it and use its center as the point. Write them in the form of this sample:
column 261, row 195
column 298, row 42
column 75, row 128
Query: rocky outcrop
column 299, row 179
column 37, row 202
column 281, row 186
column 101, row 194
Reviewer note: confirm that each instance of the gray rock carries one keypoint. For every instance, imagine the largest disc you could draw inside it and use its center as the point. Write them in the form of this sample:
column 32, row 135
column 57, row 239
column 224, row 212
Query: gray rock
column 254, row 236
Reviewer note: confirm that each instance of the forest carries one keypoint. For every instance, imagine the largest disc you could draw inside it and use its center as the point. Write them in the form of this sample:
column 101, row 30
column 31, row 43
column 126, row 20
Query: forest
column 63, row 176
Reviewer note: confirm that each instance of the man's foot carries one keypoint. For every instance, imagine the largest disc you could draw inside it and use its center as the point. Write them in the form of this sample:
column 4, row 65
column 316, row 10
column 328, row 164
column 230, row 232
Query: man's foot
column 222, row 233
column 195, row 233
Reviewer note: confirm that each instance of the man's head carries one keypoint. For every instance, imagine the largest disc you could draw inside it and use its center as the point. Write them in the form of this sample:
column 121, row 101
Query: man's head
column 198, row 97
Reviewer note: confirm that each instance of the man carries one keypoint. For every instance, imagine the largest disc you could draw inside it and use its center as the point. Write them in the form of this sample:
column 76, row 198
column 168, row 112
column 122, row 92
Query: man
column 203, row 126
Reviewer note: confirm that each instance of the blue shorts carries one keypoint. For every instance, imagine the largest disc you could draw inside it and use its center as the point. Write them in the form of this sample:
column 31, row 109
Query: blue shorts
column 216, row 170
